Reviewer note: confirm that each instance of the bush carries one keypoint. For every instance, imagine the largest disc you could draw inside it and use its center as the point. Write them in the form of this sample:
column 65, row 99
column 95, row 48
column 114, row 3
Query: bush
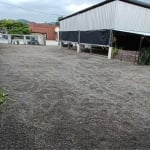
column 114, row 51
column 2, row 97
column 144, row 56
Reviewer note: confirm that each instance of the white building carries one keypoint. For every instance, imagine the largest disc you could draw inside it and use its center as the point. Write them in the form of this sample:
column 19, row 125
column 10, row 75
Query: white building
column 127, row 20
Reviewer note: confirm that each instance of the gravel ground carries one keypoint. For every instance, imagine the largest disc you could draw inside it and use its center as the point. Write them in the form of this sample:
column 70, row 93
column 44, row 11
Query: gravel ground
column 60, row 100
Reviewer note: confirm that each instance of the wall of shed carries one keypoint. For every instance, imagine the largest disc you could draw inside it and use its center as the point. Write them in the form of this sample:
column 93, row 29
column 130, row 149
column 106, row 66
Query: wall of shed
column 115, row 15
column 132, row 18
column 94, row 26
column 96, row 19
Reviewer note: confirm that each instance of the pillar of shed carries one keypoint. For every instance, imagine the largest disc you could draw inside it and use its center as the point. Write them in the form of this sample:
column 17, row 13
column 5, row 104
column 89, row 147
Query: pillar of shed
column 78, row 48
column 110, row 53
column 60, row 44
column 90, row 50
column 24, row 38
column 9, row 39
column 69, row 45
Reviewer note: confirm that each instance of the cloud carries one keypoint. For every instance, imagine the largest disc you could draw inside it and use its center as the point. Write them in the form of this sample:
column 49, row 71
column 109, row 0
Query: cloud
column 30, row 9
column 18, row 1
column 74, row 7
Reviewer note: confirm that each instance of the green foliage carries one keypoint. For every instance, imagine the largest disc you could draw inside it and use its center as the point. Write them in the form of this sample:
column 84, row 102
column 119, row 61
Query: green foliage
column 14, row 27
column 144, row 58
column 114, row 51
column 2, row 97
column 58, row 19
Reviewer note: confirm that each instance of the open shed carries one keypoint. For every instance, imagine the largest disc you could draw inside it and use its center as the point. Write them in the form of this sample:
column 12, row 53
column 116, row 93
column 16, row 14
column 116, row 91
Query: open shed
column 108, row 23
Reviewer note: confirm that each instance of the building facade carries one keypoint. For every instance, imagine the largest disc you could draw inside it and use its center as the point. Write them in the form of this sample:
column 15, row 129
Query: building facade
column 111, row 22
column 45, row 29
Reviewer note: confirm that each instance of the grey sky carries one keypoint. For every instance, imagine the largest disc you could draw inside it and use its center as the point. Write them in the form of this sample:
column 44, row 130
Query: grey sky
column 42, row 10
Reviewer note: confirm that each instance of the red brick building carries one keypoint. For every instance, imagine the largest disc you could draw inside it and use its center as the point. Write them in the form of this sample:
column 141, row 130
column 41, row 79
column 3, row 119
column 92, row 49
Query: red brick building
column 48, row 30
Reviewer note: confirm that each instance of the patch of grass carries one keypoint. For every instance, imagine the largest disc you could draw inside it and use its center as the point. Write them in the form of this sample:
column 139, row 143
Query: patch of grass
column 114, row 51
column 144, row 58
column 2, row 97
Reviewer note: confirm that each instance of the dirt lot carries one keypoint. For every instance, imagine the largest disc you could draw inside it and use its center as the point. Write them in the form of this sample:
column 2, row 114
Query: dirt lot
column 60, row 100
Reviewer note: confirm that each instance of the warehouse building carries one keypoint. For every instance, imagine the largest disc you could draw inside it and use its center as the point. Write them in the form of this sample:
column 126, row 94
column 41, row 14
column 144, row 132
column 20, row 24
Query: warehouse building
column 112, row 23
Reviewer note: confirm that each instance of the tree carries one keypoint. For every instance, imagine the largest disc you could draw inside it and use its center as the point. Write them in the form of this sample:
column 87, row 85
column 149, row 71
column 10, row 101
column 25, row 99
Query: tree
column 58, row 19
column 14, row 27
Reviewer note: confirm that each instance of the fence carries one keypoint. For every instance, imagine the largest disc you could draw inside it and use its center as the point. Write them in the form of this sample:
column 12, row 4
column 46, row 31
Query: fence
column 127, row 56
column 37, row 39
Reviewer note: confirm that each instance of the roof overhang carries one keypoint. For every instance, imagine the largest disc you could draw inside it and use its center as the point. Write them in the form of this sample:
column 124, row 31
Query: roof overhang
column 135, row 32
column 137, row 3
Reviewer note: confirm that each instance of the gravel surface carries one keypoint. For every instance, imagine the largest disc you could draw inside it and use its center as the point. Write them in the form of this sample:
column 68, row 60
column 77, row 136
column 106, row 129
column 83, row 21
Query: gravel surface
column 61, row 100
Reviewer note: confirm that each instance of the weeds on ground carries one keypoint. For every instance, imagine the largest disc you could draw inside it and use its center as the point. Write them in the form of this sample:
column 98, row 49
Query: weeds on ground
column 114, row 51
column 2, row 97
column 144, row 58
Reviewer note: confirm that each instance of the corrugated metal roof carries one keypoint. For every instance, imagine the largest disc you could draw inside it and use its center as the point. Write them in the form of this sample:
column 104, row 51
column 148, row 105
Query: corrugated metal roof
column 95, row 19
column 137, row 3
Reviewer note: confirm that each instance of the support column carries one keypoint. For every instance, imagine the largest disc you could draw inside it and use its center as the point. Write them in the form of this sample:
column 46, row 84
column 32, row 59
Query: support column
column 58, row 36
column 60, row 44
column 44, row 39
column 110, row 45
column 78, row 44
column 110, row 53
column 68, row 45
column 78, row 48
column 9, row 39
column 24, row 38
column 90, row 47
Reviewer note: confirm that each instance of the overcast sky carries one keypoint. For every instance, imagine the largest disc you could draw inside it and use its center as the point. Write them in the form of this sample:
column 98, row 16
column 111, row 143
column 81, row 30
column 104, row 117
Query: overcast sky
column 42, row 10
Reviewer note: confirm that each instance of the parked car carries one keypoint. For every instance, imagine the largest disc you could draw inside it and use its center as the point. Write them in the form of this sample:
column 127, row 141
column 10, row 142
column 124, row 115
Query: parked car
column 33, row 41
column 5, row 36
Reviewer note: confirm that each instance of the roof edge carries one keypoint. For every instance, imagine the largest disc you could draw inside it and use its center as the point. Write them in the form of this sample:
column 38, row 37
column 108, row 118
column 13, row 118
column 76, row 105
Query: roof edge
column 137, row 3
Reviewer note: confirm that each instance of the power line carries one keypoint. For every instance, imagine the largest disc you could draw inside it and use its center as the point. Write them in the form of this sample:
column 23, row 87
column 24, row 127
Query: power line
column 28, row 9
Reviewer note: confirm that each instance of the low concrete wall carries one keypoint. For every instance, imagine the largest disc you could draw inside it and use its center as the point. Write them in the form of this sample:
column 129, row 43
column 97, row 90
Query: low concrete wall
column 127, row 56
column 39, row 39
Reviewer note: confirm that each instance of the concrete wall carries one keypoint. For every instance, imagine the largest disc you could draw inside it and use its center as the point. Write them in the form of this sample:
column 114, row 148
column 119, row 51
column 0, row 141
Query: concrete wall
column 127, row 56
